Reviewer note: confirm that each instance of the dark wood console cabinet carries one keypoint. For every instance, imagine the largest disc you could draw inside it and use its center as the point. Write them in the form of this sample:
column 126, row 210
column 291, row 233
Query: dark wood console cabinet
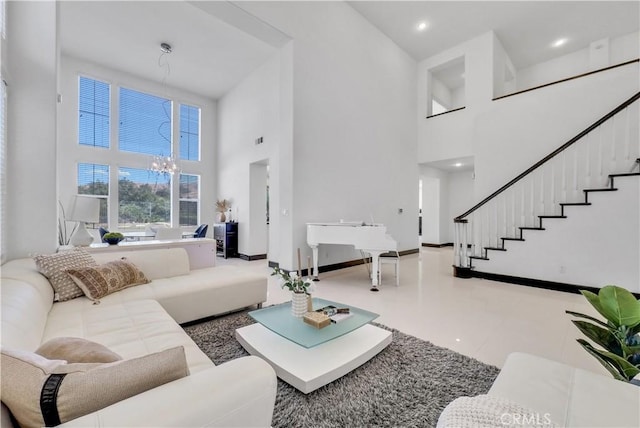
column 226, row 236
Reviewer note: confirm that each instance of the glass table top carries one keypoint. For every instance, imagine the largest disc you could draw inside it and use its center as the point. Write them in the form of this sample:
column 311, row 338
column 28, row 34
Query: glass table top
column 278, row 319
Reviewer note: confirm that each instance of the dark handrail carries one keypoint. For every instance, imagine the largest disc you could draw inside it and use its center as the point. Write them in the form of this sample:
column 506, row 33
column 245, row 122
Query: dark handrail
column 555, row 82
column 445, row 112
column 552, row 154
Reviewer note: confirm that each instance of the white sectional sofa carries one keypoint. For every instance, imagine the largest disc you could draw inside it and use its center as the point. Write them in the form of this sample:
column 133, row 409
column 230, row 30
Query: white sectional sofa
column 144, row 319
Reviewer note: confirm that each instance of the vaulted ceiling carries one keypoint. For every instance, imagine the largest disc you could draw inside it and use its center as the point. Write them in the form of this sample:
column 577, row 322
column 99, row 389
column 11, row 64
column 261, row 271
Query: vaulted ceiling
column 211, row 56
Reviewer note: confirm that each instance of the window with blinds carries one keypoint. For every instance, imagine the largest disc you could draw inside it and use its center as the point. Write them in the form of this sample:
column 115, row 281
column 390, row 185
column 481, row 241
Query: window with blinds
column 145, row 123
column 189, row 199
column 93, row 113
column 189, row 132
column 93, row 179
column 144, row 127
column 143, row 197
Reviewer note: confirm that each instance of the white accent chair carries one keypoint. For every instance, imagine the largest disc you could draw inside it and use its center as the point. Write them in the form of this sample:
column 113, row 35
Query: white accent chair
column 169, row 233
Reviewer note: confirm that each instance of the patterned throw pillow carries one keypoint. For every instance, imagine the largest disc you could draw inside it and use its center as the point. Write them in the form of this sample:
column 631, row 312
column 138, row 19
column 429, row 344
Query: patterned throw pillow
column 99, row 281
column 42, row 392
column 53, row 267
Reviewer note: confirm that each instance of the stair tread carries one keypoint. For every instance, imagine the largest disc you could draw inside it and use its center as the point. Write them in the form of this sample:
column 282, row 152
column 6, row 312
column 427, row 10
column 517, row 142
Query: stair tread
column 574, row 203
column 495, row 248
column 552, row 216
column 604, row 189
column 627, row 174
column 478, row 258
column 531, row 228
column 512, row 239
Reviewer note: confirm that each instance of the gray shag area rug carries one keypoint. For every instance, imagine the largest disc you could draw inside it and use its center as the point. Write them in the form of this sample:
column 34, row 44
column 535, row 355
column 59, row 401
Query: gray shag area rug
column 408, row 384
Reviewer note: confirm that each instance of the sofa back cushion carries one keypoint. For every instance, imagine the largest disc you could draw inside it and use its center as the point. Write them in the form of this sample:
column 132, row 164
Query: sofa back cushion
column 156, row 264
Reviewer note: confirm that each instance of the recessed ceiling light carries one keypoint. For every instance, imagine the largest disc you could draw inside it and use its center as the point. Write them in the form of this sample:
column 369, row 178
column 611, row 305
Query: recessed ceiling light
column 558, row 43
column 457, row 164
column 422, row 26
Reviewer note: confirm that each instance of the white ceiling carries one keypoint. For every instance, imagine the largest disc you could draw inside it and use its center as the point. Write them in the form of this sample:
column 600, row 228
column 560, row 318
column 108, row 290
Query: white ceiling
column 525, row 28
column 449, row 165
column 209, row 56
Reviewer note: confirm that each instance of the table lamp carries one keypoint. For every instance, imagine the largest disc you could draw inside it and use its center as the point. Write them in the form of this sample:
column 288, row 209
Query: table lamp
column 84, row 209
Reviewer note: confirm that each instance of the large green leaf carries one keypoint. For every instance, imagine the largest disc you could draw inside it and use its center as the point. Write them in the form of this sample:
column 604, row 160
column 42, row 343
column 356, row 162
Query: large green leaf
column 606, row 362
column 619, row 306
column 579, row 315
column 594, row 299
column 601, row 336
column 624, row 367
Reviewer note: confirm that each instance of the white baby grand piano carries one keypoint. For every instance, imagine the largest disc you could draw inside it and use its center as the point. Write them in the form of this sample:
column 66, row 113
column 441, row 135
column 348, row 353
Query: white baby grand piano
column 372, row 238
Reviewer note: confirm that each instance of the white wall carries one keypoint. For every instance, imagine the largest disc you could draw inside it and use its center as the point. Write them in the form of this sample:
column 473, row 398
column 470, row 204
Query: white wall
column 354, row 152
column 31, row 150
column 445, row 196
column 595, row 246
column 430, row 210
column 533, row 124
column 460, row 187
column 70, row 153
column 451, row 135
column 621, row 49
column 249, row 111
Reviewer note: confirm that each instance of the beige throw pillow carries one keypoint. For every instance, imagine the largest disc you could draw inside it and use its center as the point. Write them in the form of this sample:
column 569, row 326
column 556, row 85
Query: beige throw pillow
column 41, row 392
column 99, row 281
column 76, row 350
column 53, row 267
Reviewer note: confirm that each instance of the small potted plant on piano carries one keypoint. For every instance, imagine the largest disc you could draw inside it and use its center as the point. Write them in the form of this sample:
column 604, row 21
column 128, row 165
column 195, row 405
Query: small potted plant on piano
column 299, row 288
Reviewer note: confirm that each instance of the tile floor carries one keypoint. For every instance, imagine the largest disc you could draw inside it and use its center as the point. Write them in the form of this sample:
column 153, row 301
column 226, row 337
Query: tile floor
column 483, row 319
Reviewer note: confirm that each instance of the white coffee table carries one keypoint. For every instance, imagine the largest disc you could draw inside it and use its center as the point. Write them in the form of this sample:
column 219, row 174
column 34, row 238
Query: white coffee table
column 309, row 368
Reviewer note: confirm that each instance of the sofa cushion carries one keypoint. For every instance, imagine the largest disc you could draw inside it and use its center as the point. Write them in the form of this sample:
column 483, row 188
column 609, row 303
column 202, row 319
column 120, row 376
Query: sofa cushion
column 99, row 281
column 157, row 263
column 130, row 328
column 53, row 266
column 43, row 392
column 76, row 350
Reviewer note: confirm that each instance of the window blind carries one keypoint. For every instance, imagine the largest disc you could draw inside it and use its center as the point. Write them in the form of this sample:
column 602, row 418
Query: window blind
column 145, row 123
column 93, row 179
column 93, row 113
column 189, row 194
column 189, row 132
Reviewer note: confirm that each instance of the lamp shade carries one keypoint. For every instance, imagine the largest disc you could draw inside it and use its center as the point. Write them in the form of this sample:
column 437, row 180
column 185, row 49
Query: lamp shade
column 85, row 209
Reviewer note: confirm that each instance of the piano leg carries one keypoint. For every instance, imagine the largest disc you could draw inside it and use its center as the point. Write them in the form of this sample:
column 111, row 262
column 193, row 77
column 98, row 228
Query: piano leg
column 375, row 256
column 314, row 249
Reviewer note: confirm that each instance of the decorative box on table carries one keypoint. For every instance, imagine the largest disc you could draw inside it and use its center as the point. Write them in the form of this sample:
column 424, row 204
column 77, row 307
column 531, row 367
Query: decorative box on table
column 316, row 319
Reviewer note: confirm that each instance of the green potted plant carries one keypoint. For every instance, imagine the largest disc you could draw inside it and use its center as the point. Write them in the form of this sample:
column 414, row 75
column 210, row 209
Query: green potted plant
column 113, row 238
column 299, row 288
column 619, row 335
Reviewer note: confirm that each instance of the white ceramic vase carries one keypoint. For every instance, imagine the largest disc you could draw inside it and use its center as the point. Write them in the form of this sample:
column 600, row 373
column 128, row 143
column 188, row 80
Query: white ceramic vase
column 298, row 304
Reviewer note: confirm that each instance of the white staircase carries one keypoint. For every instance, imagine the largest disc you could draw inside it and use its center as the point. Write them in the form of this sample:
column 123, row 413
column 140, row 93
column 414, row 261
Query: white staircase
column 590, row 164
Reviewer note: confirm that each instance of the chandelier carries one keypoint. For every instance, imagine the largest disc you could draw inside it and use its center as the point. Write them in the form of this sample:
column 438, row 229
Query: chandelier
column 164, row 165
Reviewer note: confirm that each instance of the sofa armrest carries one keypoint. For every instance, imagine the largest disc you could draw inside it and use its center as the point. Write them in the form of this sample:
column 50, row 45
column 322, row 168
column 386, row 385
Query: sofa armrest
column 571, row 397
column 239, row 393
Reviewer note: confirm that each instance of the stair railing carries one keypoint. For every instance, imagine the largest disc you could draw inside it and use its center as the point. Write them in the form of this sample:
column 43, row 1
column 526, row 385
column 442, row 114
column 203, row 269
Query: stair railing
column 609, row 145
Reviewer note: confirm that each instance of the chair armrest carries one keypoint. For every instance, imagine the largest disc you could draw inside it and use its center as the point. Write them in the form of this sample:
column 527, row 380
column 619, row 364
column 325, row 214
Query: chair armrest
column 239, row 393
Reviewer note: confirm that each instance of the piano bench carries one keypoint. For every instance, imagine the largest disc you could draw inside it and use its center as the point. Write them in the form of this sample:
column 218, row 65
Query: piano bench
column 390, row 257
